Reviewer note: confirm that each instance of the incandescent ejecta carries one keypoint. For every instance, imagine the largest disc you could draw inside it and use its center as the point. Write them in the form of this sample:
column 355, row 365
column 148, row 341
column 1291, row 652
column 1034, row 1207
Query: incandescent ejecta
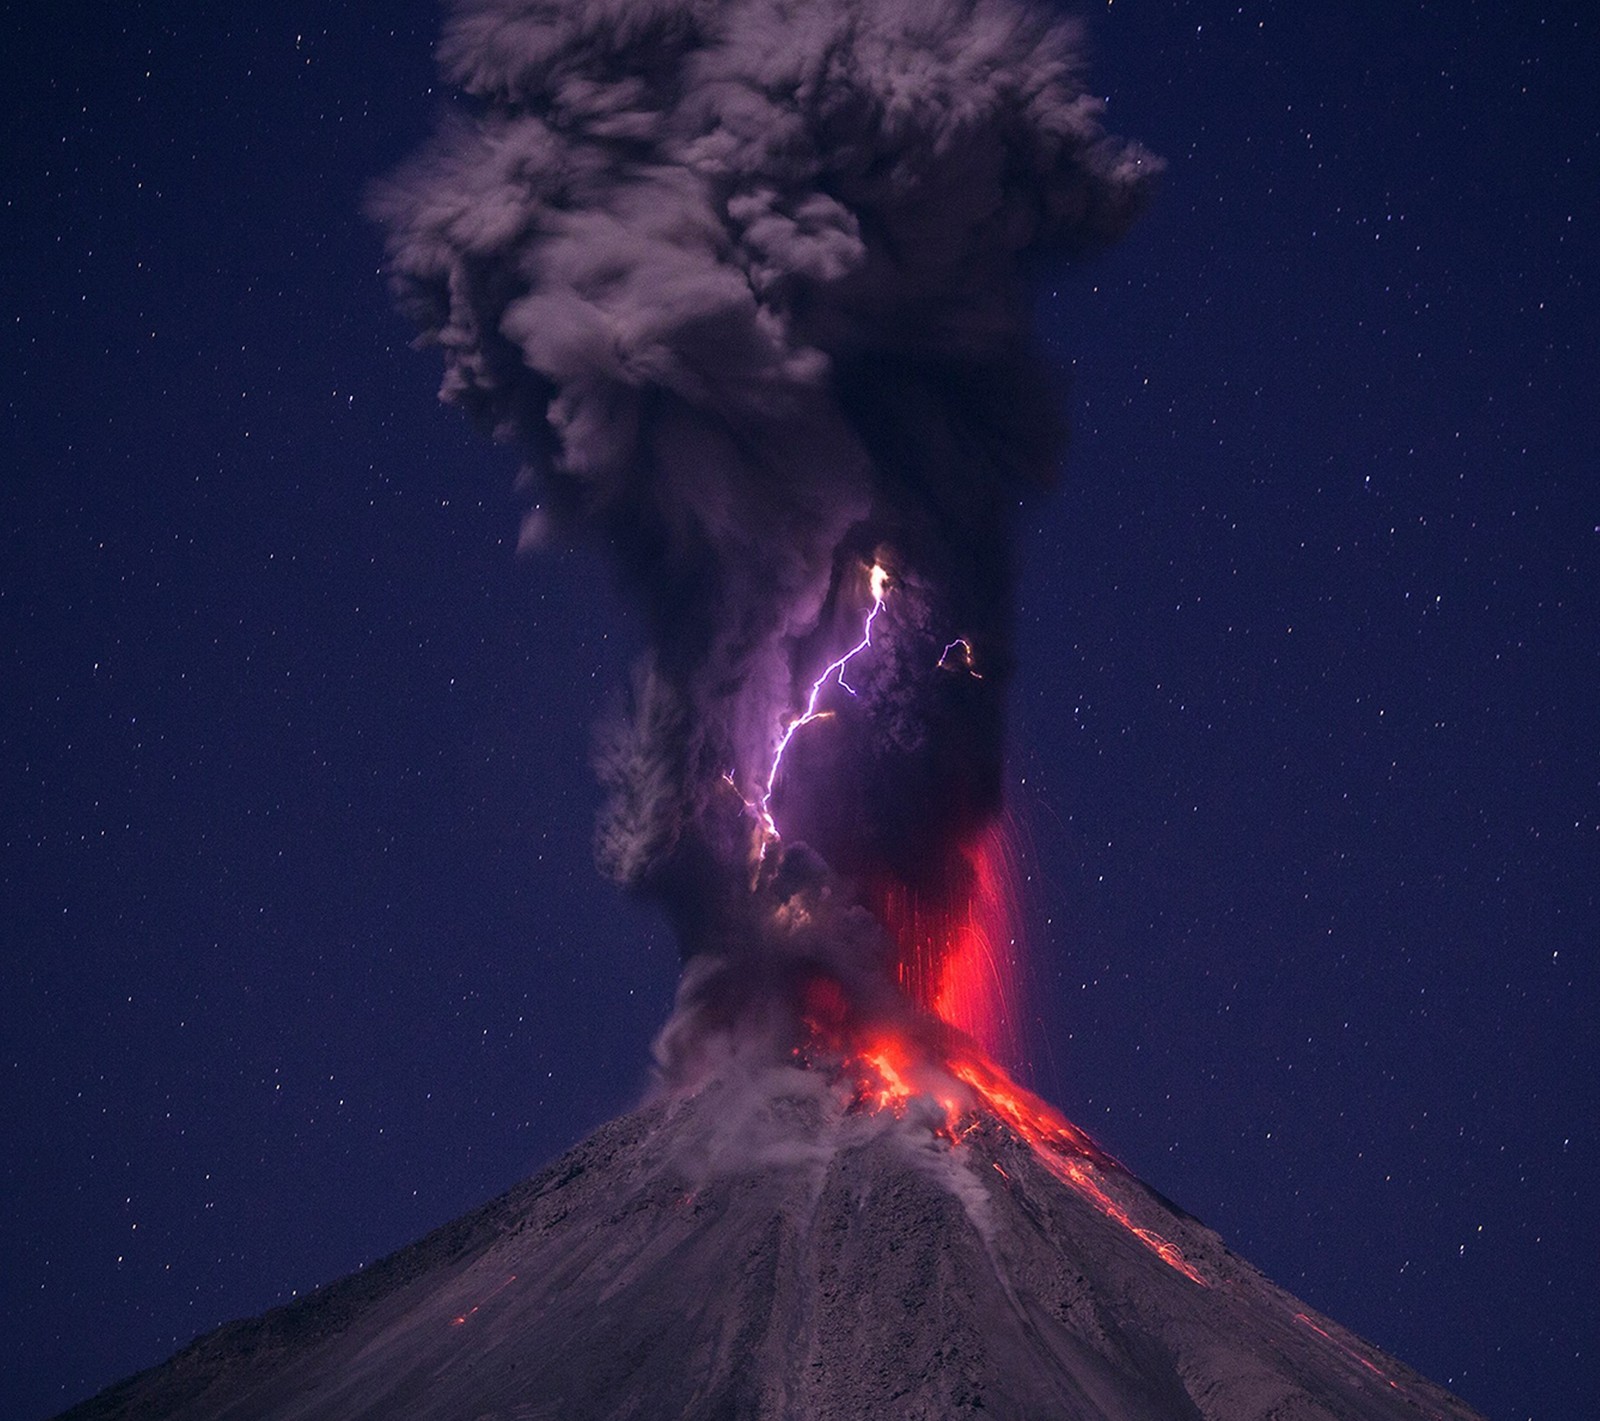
column 748, row 282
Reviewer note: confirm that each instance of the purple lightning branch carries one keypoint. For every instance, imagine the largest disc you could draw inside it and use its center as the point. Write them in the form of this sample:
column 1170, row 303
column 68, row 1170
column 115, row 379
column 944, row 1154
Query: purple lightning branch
column 965, row 659
column 833, row 671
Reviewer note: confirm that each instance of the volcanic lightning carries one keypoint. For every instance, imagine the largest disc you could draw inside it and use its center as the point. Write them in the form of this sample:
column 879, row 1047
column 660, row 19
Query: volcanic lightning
column 878, row 582
column 751, row 309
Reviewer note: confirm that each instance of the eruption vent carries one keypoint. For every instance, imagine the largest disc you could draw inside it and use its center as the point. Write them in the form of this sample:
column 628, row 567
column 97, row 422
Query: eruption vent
column 747, row 282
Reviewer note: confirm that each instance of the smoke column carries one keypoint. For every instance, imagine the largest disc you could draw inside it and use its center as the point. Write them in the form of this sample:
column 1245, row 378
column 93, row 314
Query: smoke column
column 747, row 282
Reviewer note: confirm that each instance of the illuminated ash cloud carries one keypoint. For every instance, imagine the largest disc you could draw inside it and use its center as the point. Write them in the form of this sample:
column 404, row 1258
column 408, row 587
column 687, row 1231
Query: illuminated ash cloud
column 747, row 281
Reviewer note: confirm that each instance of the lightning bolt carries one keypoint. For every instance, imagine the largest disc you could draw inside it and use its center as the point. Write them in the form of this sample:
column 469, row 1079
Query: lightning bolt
column 957, row 656
column 834, row 671
column 963, row 661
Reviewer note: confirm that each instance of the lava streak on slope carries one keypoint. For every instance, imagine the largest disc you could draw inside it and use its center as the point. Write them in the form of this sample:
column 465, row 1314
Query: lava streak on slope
column 926, row 1060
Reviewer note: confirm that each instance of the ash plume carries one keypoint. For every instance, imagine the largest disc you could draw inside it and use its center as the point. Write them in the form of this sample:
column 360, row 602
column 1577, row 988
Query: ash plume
column 747, row 281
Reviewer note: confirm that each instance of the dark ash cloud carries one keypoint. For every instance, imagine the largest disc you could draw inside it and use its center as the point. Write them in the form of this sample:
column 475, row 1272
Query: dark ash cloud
column 746, row 280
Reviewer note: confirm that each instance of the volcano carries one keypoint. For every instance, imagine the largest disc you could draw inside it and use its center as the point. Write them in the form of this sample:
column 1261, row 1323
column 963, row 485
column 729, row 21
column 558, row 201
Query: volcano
column 786, row 1243
column 750, row 286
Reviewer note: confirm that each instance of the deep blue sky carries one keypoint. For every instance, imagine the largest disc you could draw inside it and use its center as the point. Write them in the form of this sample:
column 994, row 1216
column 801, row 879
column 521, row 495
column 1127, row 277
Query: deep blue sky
column 301, row 951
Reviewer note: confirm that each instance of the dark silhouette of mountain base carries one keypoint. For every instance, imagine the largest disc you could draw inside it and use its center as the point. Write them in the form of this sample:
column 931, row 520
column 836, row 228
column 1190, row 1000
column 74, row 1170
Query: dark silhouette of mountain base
column 769, row 1248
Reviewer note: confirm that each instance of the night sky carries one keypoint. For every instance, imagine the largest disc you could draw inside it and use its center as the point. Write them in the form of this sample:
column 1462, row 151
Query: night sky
column 303, row 950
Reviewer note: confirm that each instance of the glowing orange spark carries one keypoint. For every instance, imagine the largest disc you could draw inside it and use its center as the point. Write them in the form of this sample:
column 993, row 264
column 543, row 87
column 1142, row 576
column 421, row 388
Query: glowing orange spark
column 460, row 1319
column 1366, row 1363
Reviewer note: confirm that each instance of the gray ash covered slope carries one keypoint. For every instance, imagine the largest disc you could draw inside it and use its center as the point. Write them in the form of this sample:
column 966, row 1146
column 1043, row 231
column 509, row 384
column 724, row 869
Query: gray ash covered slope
column 771, row 1249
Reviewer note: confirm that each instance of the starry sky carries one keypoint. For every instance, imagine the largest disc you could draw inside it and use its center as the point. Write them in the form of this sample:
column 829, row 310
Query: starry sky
column 301, row 947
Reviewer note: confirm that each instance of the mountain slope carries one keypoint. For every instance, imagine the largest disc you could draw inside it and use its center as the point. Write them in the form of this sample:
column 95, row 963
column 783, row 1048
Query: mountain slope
column 770, row 1249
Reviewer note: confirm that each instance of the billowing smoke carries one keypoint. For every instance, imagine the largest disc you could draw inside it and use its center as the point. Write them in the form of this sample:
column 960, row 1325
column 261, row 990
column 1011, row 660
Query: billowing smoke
column 748, row 282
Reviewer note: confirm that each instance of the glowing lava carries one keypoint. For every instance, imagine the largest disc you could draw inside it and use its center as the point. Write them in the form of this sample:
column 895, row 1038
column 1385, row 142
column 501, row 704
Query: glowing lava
column 1366, row 1364
column 955, row 950
column 461, row 1319
column 958, row 959
column 1064, row 1150
column 957, row 656
column 890, row 1072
